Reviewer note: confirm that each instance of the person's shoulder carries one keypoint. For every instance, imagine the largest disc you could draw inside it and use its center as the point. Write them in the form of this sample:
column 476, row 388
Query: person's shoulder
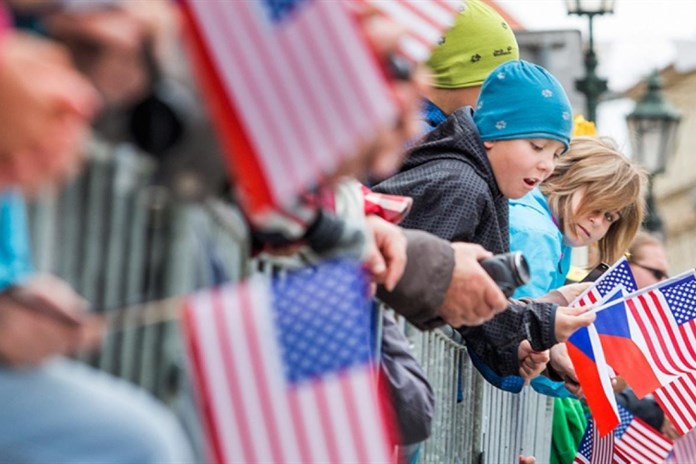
column 440, row 171
column 461, row 177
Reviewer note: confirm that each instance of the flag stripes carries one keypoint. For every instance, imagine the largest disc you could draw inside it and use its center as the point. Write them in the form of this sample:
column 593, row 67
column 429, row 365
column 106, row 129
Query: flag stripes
column 425, row 22
column 303, row 86
column 641, row 443
column 685, row 449
column 256, row 407
column 678, row 401
column 595, row 449
column 668, row 342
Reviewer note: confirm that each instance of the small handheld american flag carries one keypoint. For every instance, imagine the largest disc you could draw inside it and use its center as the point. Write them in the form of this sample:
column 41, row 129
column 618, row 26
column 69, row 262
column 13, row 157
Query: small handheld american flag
column 285, row 370
column 619, row 274
column 293, row 87
column 595, row 449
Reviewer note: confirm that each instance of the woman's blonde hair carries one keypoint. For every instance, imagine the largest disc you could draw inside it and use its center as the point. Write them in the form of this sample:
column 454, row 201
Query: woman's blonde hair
column 610, row 182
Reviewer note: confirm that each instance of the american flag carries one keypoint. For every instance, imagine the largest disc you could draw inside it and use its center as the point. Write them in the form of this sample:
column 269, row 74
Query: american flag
column 678, row 401
column 665, row 314
column 594, row 449
column 293, row 88
column 684, row 449
column 425, row 22
column 619, row 274
column 639, row 442
column 284, row 369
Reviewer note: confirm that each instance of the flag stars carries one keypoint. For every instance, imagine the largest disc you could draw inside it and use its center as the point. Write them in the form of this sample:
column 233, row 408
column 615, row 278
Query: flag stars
column 330, row 313
column 680, row 298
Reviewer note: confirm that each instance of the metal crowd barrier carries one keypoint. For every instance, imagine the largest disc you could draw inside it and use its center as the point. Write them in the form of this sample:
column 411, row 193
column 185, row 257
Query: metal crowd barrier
column 477, row 423
column 121, row 241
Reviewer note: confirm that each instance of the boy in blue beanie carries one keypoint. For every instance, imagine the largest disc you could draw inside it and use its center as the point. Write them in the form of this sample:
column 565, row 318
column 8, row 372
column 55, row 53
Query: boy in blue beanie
column 461, row 177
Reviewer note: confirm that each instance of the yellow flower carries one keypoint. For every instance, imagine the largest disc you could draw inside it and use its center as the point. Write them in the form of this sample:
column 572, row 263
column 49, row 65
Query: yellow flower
column 582, row 126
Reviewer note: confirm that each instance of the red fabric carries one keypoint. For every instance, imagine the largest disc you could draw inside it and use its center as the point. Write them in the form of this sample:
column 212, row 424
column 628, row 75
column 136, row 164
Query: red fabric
column 392, row 208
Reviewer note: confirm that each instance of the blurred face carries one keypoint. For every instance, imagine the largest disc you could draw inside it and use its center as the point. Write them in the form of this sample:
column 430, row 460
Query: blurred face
column 520, row 165
column 584, row 231
column 650, row 267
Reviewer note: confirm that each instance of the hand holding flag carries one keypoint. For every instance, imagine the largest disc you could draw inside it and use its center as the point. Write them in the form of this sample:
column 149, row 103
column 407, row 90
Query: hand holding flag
column 586, row 352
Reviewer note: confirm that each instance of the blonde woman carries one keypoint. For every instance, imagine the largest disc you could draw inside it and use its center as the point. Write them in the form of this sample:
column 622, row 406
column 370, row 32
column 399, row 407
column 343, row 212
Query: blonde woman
column 594, row 195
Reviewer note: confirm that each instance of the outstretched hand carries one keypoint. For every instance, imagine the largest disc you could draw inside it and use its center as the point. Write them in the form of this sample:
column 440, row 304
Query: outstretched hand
column 44, row 319
column 568, row 320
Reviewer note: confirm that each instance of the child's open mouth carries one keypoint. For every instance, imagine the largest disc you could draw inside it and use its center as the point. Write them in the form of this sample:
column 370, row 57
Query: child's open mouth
column 531, row 182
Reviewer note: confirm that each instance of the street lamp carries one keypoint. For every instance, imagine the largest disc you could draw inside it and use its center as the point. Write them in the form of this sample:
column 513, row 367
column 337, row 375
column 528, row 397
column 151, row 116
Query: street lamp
column 592, row 86
column 653, row 125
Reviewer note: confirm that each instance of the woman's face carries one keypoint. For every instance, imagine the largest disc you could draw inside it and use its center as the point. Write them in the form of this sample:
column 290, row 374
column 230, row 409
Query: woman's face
column 650, row 265
column 586, row 230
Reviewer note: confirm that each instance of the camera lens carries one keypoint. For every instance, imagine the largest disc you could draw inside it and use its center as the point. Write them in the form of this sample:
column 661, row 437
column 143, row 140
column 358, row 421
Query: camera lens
column 508, row 270
column 520, row 268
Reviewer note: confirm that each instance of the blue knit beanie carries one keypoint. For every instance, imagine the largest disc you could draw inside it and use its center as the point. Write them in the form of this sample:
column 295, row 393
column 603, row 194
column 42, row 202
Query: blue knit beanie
column 520, row 100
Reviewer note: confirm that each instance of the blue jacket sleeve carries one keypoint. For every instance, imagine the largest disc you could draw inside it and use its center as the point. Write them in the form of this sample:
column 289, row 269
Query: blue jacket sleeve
column 508, row 383
column 15, row 260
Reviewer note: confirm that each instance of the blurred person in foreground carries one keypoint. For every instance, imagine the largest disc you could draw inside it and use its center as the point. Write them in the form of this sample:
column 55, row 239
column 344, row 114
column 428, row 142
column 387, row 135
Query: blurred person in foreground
column 54, row 409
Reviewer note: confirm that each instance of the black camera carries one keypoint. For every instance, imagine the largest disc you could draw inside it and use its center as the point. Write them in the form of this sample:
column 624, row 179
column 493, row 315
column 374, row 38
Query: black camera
column 508, row 270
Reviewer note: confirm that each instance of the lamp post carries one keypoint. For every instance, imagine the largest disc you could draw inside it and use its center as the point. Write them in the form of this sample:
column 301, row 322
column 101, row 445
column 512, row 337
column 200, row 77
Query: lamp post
column 653, row 125
column 592, row 86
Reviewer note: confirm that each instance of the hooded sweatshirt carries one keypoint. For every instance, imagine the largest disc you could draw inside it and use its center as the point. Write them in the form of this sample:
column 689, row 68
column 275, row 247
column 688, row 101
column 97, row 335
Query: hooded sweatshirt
column 455, row 196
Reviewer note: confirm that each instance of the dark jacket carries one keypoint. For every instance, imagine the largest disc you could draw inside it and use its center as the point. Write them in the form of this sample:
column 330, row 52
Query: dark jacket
column 411, row 393
column 455, row 196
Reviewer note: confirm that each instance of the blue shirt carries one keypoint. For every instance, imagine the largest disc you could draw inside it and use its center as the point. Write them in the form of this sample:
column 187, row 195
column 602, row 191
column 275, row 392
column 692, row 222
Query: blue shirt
column 15, row 259
column 534, row 233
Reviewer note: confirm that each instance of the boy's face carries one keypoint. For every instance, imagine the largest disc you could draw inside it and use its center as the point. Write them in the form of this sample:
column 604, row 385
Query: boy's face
column 520, row 165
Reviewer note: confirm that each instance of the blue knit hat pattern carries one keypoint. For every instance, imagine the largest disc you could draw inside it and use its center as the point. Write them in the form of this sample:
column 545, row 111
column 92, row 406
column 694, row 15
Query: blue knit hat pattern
column 521, row 100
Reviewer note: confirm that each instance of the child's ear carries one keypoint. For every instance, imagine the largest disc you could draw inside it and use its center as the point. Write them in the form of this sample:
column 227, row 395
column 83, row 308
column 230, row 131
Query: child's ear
column 488, row 144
